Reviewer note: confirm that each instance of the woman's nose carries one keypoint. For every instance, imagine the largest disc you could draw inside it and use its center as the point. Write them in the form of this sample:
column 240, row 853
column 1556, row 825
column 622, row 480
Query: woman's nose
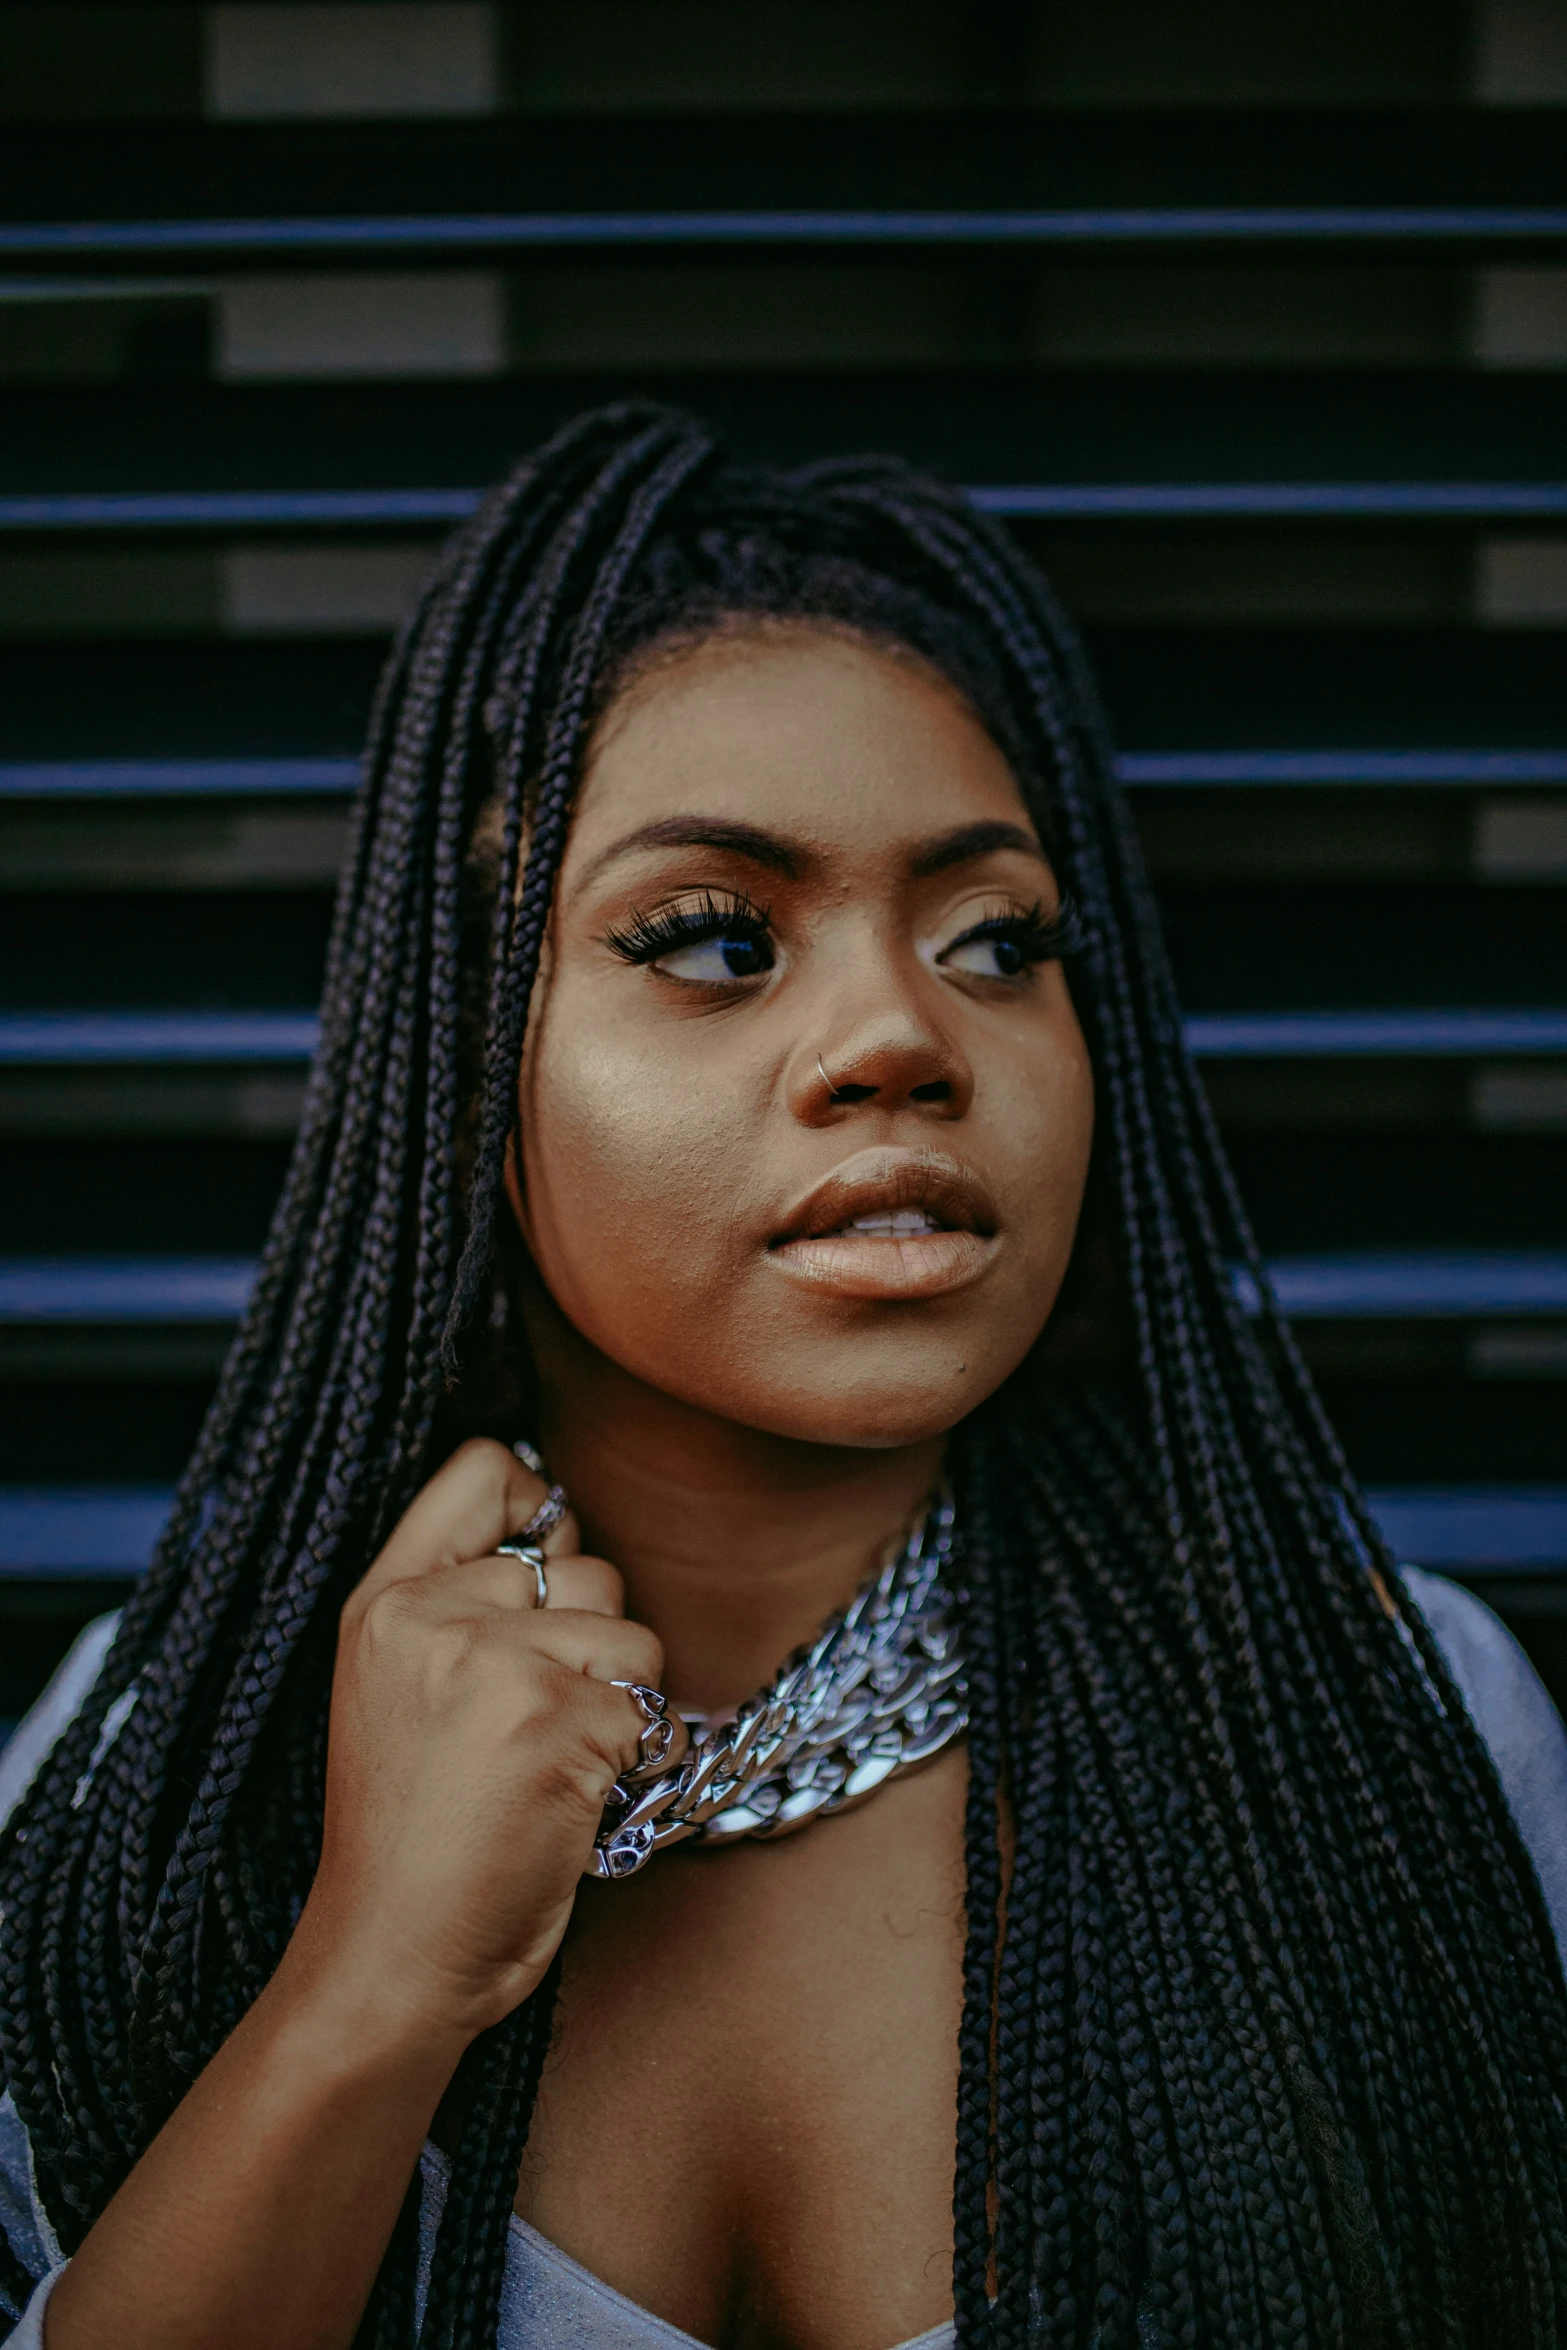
column 892, row 1063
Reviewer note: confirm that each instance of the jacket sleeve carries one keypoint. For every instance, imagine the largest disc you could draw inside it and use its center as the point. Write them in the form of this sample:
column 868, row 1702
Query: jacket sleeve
column 1512, row 1710
column 23, row 2221
column 26, row 2228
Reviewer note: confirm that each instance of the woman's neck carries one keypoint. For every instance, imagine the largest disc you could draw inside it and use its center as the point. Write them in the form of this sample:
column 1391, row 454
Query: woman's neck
column 734, row 1544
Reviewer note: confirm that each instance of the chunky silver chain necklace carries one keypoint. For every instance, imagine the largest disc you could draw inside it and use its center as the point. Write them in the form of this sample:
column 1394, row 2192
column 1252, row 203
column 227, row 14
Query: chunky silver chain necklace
column 879, row 1690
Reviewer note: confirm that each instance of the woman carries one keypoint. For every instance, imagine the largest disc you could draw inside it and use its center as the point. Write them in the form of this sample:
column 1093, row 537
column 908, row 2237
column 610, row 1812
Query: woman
column 750, row 1071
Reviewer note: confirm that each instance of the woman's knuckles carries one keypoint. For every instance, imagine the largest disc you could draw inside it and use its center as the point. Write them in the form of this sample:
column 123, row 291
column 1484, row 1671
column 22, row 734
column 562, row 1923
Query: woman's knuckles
column 481, row 1496
column 582, row 1581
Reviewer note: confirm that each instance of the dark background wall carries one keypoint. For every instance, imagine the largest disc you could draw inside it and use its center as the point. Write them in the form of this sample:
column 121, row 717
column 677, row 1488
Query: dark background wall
column 1254, row 318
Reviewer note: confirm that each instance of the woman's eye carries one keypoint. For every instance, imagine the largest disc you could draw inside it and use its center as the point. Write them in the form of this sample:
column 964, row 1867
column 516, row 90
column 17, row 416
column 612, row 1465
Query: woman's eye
column 997, row 956
column 706, row 942
column 712, row 961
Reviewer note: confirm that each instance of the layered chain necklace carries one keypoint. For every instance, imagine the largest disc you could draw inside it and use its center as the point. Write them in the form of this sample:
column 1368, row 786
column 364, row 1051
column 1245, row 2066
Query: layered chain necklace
column 880, row 1690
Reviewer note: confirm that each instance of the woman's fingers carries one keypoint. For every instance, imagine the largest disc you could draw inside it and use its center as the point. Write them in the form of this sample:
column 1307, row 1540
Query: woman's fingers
column 587, row 1586
column 491, row 1601
column 476, row 1739
column 482, row 1496
column 604, row 1648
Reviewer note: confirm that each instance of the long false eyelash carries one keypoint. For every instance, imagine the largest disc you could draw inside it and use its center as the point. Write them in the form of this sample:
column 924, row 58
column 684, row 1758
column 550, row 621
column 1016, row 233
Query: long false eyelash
column 1040, row 937
column 647, row 936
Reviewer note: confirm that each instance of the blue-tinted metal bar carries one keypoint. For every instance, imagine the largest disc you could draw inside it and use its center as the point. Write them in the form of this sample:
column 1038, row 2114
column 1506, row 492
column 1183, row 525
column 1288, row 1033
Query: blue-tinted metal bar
column 41, row 779
column 70, row 1530
column 1352, row 1284
column 1448, row 1035
column 77, row 288
column 1454, row 501
column 1463, row 767
column 1507, row 1526
column 97, row 240
column 145, row 1039
column 1461, row 501
column 39, row 1290
column 1416, row 1284
column 151, row 1039
column 234, row 509
column 150, row 779
column 85, row 1530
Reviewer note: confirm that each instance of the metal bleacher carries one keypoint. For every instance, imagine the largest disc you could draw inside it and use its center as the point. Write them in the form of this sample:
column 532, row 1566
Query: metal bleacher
column 1252, row 321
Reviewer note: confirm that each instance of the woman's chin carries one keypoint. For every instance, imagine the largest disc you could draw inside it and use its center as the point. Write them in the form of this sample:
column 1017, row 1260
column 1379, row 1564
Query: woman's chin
column 893, row 1407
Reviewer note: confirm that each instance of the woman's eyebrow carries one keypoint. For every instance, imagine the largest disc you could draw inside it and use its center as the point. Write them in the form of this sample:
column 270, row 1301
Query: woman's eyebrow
column 703, row 832
column 968, row 841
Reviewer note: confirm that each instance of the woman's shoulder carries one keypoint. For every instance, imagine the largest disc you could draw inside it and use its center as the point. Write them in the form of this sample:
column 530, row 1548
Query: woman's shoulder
column 1513, row 1712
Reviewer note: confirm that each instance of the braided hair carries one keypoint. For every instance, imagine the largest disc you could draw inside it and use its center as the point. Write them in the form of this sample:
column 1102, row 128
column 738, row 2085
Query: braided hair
column 1264, row 2035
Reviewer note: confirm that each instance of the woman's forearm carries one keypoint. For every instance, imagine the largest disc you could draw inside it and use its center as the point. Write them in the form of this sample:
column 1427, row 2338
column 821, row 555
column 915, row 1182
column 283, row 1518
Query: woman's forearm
column 260, row 2212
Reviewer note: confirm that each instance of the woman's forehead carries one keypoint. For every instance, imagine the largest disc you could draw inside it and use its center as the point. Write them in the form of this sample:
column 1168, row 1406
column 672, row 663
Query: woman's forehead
column 792, row 724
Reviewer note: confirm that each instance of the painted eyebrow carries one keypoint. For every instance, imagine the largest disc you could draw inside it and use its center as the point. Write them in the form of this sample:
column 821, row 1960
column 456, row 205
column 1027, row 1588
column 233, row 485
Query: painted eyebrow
column 969, row 841
column 959, row 847
column 703, row 832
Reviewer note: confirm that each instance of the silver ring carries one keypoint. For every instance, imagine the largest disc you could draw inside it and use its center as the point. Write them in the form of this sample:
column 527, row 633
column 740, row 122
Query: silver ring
column 528, row 1554
column 545, row 1518
column 552, row 1508
column 527, row 1545
column 658, row 1731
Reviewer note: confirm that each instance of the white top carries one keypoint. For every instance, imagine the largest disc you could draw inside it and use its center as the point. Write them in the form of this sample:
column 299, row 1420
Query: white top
column 548, row 2300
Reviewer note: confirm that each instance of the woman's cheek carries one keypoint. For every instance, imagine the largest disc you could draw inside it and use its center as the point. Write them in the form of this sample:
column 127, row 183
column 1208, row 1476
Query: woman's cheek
column 632, row 1182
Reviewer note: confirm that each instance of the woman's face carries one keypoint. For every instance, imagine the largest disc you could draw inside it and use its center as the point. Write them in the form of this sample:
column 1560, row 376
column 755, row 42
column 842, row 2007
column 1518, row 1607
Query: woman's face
column 805, row 1122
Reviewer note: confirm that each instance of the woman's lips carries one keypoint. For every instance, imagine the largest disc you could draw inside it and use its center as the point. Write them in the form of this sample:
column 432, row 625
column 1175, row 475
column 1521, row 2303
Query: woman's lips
column 890, row 1224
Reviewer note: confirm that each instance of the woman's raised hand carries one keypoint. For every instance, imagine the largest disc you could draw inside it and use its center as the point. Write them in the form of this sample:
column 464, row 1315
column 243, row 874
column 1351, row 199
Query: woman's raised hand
column 474, row 1739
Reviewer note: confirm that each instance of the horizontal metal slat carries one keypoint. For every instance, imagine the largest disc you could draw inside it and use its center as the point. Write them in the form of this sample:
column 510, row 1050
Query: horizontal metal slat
column 1206, row 225
column 90, row 779
column 1331, row 1035
column 71, row 1531
column 110, row 779
column 234, row 509
column 1415, row 1284
column 1349, row 1285
column 1471, row 769
column 1354, row 501
column 1475, row 1526
column 152, row 1039
column 145, row 1039
column 1456, row 501
column 51, row 1290
column 79, row 1530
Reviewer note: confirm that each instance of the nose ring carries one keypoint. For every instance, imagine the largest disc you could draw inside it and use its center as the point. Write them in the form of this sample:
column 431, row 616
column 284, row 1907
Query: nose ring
column 832, row 1090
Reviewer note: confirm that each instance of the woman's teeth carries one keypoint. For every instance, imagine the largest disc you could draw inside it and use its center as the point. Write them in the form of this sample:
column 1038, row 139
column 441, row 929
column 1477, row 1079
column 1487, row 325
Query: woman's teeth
column 896, row 1225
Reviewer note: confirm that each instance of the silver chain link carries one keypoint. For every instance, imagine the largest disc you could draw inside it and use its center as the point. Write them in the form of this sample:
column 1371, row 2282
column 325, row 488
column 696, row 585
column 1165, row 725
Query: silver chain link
column 879, row 1690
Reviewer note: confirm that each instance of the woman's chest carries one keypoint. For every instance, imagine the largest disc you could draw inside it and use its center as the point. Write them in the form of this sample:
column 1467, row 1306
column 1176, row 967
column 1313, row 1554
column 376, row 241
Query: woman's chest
column 746, row 2123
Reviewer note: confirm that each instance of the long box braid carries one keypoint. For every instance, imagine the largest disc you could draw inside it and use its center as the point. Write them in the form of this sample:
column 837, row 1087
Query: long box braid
column 1264, row 2038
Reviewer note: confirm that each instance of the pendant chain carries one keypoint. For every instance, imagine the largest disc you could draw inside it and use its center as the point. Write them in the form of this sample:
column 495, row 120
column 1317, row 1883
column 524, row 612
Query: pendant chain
column 880, row 1690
